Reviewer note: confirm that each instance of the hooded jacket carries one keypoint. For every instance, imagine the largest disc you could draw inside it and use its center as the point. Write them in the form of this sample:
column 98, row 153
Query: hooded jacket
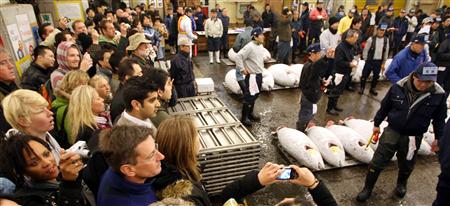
column 413, row 118
column 61, row 57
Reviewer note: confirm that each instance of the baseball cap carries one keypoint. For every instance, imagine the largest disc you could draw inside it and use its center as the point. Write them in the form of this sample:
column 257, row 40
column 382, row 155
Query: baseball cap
column 427, row 20
column 313, row 48
column 319, row 1
column 352, row 10
column 412, row 11
column 257, row 31
column 403, row 11
column 383, row 26
column 437, row 19
column 427, row 71
column 391, row 9
column 420, row 38
column 305, row 3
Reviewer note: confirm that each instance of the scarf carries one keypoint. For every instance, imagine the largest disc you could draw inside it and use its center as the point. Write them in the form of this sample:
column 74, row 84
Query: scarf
column 333, row 31
column 61, row 54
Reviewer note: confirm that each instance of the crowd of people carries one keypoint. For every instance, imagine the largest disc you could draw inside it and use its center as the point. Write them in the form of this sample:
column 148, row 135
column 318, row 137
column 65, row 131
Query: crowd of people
column 108, row 82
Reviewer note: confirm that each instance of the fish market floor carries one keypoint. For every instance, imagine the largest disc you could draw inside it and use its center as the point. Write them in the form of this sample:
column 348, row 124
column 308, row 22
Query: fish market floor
column 281, row 108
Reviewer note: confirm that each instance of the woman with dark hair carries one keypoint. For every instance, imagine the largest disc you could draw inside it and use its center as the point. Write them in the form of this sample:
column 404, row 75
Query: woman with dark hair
column 41, row 179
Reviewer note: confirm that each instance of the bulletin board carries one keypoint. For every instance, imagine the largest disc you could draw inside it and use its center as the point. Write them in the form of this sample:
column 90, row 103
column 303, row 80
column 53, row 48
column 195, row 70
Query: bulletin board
column 71, row 9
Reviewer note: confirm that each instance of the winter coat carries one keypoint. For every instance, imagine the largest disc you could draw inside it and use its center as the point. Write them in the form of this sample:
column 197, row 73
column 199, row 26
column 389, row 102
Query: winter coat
column 413, row 118
column 311, row 79
column 34, row 77
column 344, row 24
column 403, row 64
column 401, row 24
column 66, row 193
column 181, row 69
column 316, row 23
column 344, row 55
column 443, row 60
column 213, row 28
column 329, row 40
column 444, row 158
column 268, row 18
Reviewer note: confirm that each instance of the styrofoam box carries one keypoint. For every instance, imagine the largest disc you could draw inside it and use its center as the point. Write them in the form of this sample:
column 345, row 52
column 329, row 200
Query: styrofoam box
column 205, row 85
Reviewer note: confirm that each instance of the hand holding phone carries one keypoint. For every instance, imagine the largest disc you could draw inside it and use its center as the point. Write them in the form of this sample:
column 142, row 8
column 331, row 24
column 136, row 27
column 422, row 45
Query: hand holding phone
column 269, row 173
column 287, row 174
column 305, row 177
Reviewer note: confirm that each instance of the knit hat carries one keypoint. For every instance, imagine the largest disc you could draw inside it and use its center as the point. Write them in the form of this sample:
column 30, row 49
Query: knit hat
column 62, row 52
column 333, row 20
column 427, row 71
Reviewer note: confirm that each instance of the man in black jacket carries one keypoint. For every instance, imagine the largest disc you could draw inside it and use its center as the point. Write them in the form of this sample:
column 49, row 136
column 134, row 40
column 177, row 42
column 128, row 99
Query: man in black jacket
column 344, row 63
column 443, row 185
column 182, row 70
column 409, row 106
column 311, row 83
column 443, row 63
column 41, row 68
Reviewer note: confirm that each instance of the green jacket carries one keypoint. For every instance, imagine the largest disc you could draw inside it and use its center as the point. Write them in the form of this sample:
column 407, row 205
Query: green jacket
column 60, row 108
column 161, row 115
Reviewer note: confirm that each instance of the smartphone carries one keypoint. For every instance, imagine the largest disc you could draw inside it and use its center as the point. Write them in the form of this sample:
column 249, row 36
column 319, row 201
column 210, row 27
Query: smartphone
column 287, row 174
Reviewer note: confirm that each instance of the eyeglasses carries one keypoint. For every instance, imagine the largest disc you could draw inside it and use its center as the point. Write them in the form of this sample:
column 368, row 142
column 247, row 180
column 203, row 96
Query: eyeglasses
column 153, row 154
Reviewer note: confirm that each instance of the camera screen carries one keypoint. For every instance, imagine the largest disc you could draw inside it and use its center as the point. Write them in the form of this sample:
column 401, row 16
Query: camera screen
column 286, row 174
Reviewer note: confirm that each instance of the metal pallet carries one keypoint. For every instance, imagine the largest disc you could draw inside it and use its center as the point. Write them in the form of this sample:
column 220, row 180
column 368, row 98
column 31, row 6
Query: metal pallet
column 228, row 150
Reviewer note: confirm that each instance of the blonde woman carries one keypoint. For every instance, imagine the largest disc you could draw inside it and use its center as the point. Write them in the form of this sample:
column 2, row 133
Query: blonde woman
column 101, row 85
column 59, row 106
column 178, row 141
column 26, row 111
column 84, row 114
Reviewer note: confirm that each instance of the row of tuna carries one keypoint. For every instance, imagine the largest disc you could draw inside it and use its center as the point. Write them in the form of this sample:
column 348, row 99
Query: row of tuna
column 357, row 73
column 331, row 143
column 287, row 76
column 280, row 74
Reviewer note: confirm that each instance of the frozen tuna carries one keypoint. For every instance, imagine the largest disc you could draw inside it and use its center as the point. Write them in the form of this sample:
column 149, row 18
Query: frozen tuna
column 299, row 146
column 329, row 145
column 353, row 143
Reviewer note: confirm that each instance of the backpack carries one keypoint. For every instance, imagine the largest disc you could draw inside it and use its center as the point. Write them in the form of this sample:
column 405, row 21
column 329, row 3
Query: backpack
column 46, row 91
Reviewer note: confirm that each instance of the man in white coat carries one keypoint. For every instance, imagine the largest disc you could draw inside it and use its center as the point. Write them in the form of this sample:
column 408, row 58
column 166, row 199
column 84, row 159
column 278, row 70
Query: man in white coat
column 213, row 33
column 185, row 27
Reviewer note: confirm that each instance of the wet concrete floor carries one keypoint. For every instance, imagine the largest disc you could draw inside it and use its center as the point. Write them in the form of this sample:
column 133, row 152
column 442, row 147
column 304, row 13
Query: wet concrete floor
column 281, row 107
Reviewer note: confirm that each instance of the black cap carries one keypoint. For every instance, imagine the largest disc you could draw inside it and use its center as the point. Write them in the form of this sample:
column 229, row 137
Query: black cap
column 332, row 20
column 257, row 31
column 313, row 48
column 305, row 3
column 188, row 9
column 419, row 39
